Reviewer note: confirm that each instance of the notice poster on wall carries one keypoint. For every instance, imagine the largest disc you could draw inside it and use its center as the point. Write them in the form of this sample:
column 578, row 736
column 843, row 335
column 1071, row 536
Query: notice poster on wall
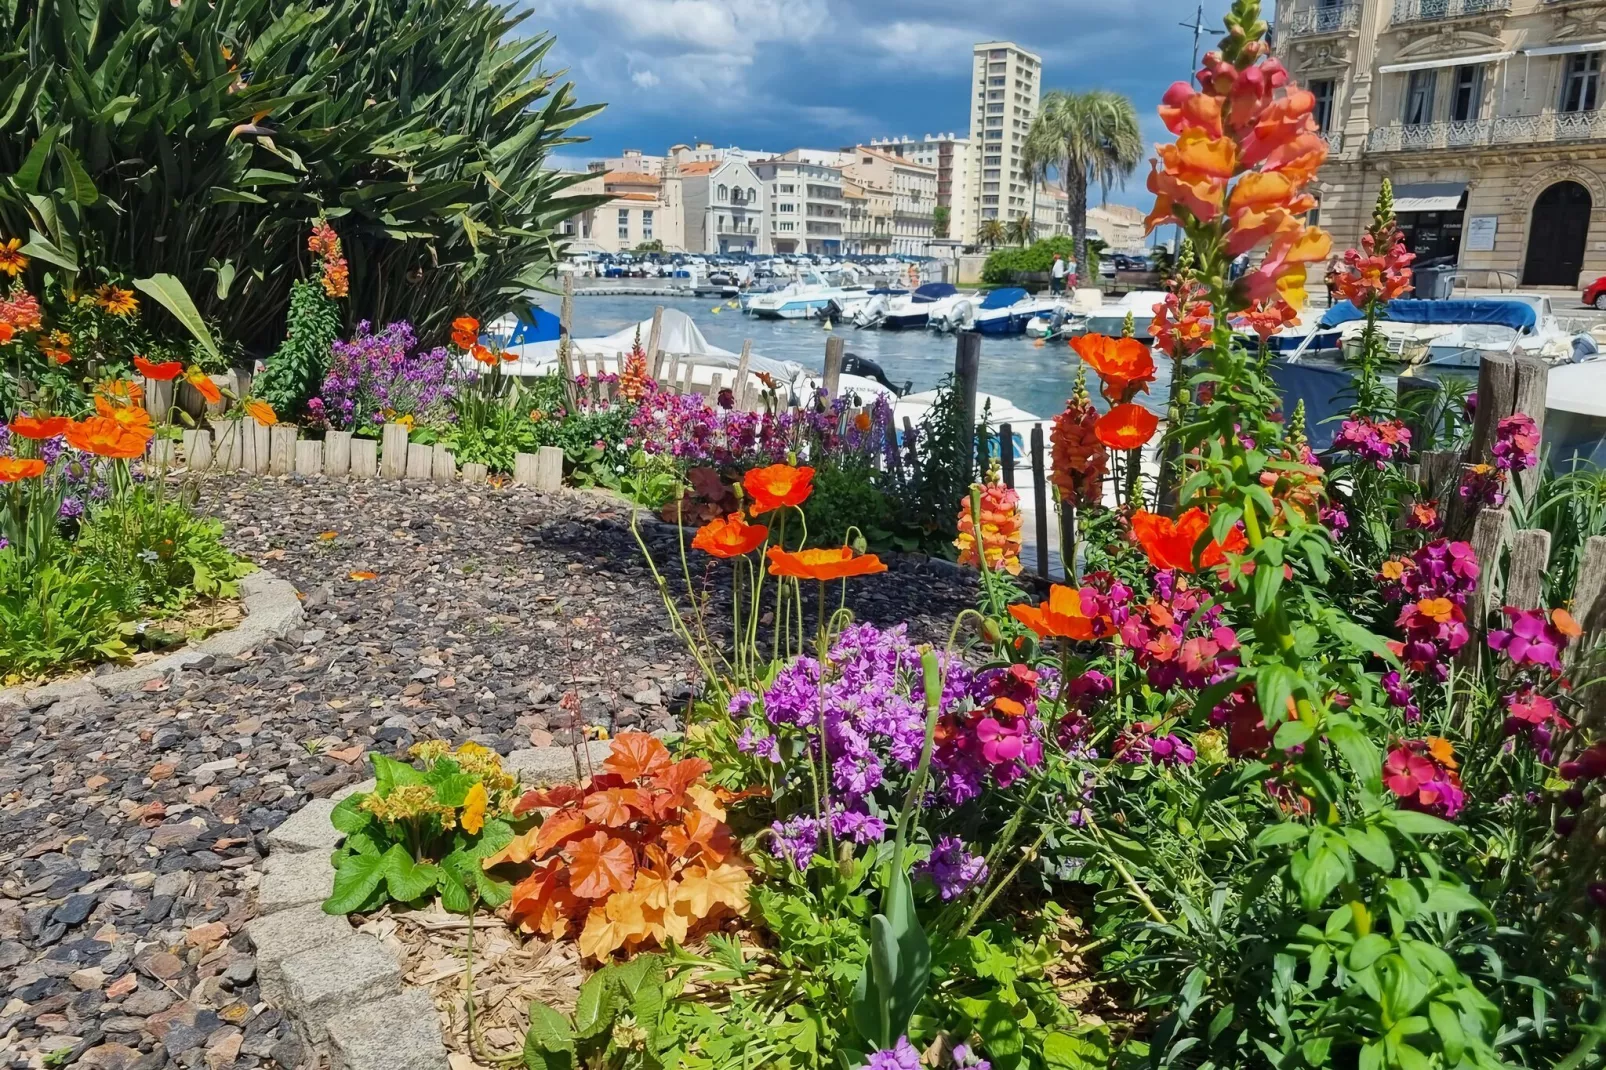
column 1480, row 233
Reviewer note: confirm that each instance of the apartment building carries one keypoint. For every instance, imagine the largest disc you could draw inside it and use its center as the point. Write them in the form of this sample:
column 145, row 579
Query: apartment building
column 806, row 211
column 949, row 154
column 911, row 188
column 1485, row 115
column 1006, row 90
column 643, row 208
column 725, row 206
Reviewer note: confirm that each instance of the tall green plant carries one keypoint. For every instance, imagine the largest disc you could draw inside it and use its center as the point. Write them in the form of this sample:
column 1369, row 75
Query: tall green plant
column 296, row 369
column 199, row 141
column 1099, row 145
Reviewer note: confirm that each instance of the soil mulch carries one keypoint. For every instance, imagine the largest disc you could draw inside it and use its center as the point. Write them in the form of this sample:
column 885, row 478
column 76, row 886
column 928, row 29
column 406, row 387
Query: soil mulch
column 131, row 828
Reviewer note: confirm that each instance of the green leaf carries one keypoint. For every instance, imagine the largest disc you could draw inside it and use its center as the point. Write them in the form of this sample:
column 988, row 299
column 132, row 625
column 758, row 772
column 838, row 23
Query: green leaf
column 1283, row 832
column 348, row 816
column 1448, row 1025
column 1453, row 899
column 549, row 1042
column 1416, row 823
column 41, row 248
column 356, row 880
column 33, row 165
column 1320, row 878
column 596, row 1006
column 389, row 773
column 1360, row 639
column 1373, row 845
column 80, row 187
column 454, row 893
column 1086, row 1049
column 405, row 879
column 171, row 295
column 1359, row 752
column 1291, row 734
column 1274, row 686
column 1001, row 1036
column 1367, row 950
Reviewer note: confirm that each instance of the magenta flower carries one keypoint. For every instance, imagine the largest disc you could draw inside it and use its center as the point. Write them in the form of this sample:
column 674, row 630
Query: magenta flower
column 1532, row 639
column 1516, row 444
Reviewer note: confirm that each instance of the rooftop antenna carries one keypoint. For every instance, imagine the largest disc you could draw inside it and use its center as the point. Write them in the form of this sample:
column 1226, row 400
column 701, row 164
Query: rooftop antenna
column 1199, row 30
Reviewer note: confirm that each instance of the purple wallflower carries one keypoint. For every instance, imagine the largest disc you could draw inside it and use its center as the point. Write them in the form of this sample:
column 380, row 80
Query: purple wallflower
column 1400, row 695
column 796, row 840
column 901, row 1056
column 382, row 373
column 952, row 869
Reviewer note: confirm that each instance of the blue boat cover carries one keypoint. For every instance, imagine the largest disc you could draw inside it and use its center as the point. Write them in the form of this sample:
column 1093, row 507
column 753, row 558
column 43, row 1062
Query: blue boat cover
column 542, row 326
column 1326, row 391
column 1513, row 314
column 1003, row 298
column 934, row 291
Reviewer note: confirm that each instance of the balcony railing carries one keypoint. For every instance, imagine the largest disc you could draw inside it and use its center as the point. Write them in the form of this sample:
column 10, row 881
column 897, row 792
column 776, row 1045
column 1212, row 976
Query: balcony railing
column 1328, row 18
column 1335, row 142
column 1429, row 10
column 1506, row 130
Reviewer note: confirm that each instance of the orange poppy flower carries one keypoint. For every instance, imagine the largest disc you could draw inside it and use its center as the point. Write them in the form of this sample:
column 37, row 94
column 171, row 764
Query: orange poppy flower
column 1124, row 364
column 730, row 537
column 124, row 415
column 1169, row 543
column 14, row 468
column 465, row 332
column 163, row 372
column 122, row 391
column 482, row 354
column 261, row 412
column 204, row 385
column 1126, row 427
column 862, row 421
column 39, row 427
column 838, row 564
column 105, row 437
column 1060, row 617
column 777, row 486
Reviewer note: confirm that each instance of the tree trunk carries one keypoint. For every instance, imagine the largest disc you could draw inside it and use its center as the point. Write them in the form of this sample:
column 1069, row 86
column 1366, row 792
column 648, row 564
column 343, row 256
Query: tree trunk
column 1076, row 196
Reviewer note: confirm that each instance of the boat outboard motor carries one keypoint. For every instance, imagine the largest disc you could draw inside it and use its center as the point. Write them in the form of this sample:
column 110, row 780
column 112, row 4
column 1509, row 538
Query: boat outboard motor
column 853, row 364
column 961, row 317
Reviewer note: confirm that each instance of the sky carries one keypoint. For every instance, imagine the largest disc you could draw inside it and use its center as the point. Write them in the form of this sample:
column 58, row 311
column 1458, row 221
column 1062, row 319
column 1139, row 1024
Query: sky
column 772, row 75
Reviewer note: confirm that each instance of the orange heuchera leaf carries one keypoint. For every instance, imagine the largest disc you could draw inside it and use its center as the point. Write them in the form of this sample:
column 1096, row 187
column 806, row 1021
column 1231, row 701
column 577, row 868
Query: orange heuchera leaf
column 681, row 775
column 541, row 798
column 521, row 848
column 614, row 807
column 706, row 799
column 700, row 834
column 600, row 865
column 702, row 889
column 361, row 575
column 559, row 827
column 611, row 927
column 635, row 755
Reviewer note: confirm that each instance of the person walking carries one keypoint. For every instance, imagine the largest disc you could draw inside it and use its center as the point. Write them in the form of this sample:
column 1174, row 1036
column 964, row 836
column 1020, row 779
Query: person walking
column 1057, row 276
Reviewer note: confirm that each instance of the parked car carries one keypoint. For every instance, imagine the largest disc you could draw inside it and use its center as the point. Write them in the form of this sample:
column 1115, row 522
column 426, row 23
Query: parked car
column 1595, row 294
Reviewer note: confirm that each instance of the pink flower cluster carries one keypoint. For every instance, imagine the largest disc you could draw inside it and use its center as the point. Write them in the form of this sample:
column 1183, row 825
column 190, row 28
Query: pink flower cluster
column 1434, row 629
column 1422, row 773
column 1177, row 636
column 1378, row 441
column 1440, row 569
column 1516, row 443
column 1533, row 638
column 1535, row 717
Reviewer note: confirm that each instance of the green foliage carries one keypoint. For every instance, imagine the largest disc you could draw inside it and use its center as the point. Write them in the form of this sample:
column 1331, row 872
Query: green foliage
column 295, row 370
column 57, row 615
column 847, row 500
column 927, row 507
column 163, row 555
column 1006, row 266
column 941, row 219
column 615, row 1025
column 199, row 141
column 406, row 840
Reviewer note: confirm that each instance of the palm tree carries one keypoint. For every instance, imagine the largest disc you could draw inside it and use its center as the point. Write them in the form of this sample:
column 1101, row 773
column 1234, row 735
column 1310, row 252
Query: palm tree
column 990, row 233
column 1021, row 229
column 1039, row 154
column 1099, row 142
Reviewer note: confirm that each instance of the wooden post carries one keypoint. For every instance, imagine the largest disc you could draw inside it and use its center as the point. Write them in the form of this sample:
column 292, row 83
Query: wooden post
column 1525, row 579
column 282, row 449
column 967, row 369
column 672, row 376
column 1532, row 383
column 163, row 454
column 833, row 366
column 566, row 338
column 309, row 457
column 159, row 399
column 393, row 451
column 715, row 385
column 524, row 469
column 364, row 458
column 1589, row 609
column 743, row 389
column 1439, row 471
column 687, row 383
column 256, row 446
column 198, row 453
column 1497, row 390
column 420, row 461
column 909, row 445
column 549, row 469
column 336, row 453
column 654, row 340
column 228, row 454
column 1006, row 453
column 894, row 455
column 1039, row 499
column 1488, row 539
column 476, row 474
column 445, row 468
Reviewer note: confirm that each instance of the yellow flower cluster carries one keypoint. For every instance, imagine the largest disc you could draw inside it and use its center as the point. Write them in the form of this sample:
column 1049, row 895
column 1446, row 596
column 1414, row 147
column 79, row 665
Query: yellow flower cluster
column 410, row 802
column 501, row 787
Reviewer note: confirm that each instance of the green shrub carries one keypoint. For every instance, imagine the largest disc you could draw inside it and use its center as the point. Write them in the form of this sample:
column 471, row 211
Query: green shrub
column 57, row 616
column 1004, row 266
column 295, row 371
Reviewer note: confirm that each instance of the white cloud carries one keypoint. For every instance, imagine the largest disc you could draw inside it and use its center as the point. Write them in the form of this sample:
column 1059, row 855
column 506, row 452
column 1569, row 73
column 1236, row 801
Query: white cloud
column 923, row 41
column 644, row 79
column 732, row 26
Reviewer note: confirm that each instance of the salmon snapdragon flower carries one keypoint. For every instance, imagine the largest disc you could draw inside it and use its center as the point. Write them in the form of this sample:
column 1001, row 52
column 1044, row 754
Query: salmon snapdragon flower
column 778, row 486
column 1080, row 459
column 729, row 537
column 1126, row 427
column 1169, row 543
column 1001, row 526
column 823, row 564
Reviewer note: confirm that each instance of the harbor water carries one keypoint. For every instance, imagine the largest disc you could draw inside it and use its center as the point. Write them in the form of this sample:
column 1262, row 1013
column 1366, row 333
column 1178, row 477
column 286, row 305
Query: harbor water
column 1036, row 378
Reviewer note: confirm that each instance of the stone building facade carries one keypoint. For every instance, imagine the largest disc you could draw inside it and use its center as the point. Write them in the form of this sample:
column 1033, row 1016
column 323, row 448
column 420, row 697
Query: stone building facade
column 1486, row 116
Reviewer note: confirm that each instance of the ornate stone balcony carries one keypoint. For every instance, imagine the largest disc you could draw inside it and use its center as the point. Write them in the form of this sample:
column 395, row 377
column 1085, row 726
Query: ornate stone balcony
column 1409, row 11
column 1506, row 130
column 1330, row 18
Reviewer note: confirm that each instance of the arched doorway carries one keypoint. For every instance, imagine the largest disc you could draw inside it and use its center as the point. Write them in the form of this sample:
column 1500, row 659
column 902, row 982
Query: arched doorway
column 1557, row 235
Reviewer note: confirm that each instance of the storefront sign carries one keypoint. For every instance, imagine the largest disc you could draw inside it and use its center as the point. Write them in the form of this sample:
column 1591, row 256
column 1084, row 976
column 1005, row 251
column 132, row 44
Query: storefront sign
column 1480, row 233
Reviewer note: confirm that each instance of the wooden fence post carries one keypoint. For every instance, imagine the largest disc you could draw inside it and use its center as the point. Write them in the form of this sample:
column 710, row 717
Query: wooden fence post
column 257, row 446
column 159, row 399
column 282, row 449
column 198, row 454
column 654, row 340
column 743, row 390
column 967, row 370
column 566, row 338
column 445, row 467
column 524, row 469
column 364, row 458
column 1525, row 579
column 393, row 451
column 1497, row 390
column 309, row 457
column 476, row 474
column 1040, row 500
column 1532, row 383
column 1488, row 540
column 420, row 461
column 336, row 453
column 833, row 366
column 1589, row 609
column 1006, row 453
column 549, row 469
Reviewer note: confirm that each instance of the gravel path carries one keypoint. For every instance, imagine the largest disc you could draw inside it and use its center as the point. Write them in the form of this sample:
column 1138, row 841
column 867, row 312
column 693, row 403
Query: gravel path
column 131, row 829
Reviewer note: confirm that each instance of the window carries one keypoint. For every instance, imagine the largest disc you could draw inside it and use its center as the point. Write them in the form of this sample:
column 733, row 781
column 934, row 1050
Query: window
column 995, row 135
column 786, row 188
column 1322, row 89
column 1419, row 97
column 990, row 200
column 721, row 222
column 995, row 109
column 788, row 226
column 993, row 161
column 646, row 225
column 997, row 81
column 752, row 195
column 624, row 224
column 1468, row 96
column 991, row 172
column 1579, row 88
column 995, row 120
column 989, row 187
column 786, row 208
column 724, row 193
column 996, row 94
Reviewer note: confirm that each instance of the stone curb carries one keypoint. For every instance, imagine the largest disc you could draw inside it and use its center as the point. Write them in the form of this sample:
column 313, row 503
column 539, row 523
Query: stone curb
column 342, row 989
column 272, row 611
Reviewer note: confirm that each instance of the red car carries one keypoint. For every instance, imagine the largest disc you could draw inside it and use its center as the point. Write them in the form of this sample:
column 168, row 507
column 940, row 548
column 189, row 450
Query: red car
column 1595, row 294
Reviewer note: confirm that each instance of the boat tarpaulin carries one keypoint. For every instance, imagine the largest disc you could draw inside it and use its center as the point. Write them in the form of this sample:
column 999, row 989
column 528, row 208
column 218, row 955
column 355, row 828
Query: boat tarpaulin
column 1326, row 391
column 934, row 291
column 1481, row 310
column 542, row 326
column 1429, row 196
column 1004, row 297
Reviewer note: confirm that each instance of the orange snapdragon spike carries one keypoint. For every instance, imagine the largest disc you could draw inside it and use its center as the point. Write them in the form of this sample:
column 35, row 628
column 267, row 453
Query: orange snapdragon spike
column 1062, row 616
column 1169, row 543
column 823, row 565
column 1126, row 427
column 1125, row 365
column 39, row 427
column 730, row 537
column 13, row 469
column 778, row 486
column 162, row 373
column 105, row 437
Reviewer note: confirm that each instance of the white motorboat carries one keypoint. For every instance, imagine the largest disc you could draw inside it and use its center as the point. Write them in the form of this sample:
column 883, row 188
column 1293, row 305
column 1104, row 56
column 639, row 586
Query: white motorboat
column 1004, row 311
column 806, row 297
column 855, row 306
column 1450, row 333
column 916, row 309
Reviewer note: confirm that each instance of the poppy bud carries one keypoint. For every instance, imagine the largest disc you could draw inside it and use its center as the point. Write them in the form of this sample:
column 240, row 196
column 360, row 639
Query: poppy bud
column 990, row 631
column 1565, row 824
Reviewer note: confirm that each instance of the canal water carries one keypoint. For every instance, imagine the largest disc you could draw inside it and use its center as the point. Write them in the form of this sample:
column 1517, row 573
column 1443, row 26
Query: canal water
column 1036, row 378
